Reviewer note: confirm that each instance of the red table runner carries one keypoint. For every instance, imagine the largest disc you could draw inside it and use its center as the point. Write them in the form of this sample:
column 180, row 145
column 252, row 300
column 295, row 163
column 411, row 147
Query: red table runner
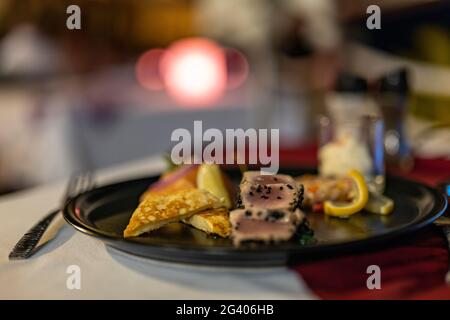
column 411, row 268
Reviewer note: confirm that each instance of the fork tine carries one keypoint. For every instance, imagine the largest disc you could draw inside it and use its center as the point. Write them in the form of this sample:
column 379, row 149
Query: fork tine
column 81, row 182
column 78, row 183
column 86, row 182
column 71, row 186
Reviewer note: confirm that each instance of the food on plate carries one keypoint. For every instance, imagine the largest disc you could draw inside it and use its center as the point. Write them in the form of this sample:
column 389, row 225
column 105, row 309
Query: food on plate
column 255, row 177
column 158, row 210
column 345, row 209
column 318, row 189
column 181, row 184
column 268, row 208
column 210, row 178
column 379, row 204
column 269, row 204
column 278, row 191
column 344, row 195
column 264, row 225
column 346, row 153
column 211, row 221
column 180, row 178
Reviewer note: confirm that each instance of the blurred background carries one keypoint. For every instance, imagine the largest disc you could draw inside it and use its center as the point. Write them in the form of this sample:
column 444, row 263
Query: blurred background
column 114, row 90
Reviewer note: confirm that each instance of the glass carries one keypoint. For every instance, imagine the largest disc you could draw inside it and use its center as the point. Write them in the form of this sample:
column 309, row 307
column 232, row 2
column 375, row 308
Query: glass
column 397, row 148
column 353, row 143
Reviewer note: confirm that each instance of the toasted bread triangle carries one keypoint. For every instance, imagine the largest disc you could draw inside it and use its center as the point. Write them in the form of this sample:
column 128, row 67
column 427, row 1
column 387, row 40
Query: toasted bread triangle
column 158, row 210
column 212, row 221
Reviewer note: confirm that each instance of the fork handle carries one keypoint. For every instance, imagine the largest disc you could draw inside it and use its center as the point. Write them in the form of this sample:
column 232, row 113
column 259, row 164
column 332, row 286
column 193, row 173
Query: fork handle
column 25, row 246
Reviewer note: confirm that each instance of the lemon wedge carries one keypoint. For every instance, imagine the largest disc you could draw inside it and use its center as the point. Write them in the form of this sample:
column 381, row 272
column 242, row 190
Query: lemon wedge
column 346, row 209
column 209, row 178
column 379, row 204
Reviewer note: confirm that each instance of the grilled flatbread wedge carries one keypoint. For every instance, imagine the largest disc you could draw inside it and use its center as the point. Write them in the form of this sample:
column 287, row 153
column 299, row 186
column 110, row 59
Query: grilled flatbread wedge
column 159, row 210
column 212, row 221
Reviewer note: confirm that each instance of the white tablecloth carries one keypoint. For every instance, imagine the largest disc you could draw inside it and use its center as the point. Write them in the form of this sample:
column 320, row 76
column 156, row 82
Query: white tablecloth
column 110, row 274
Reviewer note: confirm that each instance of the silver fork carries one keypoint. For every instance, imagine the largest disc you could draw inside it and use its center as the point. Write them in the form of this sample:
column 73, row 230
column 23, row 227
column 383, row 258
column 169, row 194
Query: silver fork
column 25, row 247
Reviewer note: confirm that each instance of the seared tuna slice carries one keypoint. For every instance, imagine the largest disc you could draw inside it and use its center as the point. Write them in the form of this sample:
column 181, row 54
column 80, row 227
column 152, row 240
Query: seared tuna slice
column 278, row 191
column 264, row 225
column 271, row 196
column 255, row 177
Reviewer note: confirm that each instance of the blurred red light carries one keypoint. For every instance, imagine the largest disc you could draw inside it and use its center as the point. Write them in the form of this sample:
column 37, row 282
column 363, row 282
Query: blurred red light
column 147, row 70
column 237, row 68
column 194, row 72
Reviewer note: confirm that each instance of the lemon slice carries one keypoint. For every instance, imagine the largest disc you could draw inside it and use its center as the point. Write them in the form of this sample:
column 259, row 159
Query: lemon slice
column 346, row 209
column 379, row 204
column 209, row 178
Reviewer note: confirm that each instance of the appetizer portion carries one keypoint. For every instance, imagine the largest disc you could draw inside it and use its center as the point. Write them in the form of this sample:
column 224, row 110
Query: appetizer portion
column 201, row 195
column 212, row 179
column 212, row 221
column 182, row 178
column 269, row 191
column 268, row 208
column 158, row 210
column 264, row 225
column 342, row 196
column 255, row 177
column 319, row 189
column 358, row 202
column 207, row 178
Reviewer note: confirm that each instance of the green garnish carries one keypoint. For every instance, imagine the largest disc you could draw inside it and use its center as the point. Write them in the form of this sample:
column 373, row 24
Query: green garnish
column 305, row 235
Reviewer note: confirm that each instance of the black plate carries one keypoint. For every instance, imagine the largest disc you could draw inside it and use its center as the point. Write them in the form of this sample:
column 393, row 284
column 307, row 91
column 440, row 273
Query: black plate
column 104, row 213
